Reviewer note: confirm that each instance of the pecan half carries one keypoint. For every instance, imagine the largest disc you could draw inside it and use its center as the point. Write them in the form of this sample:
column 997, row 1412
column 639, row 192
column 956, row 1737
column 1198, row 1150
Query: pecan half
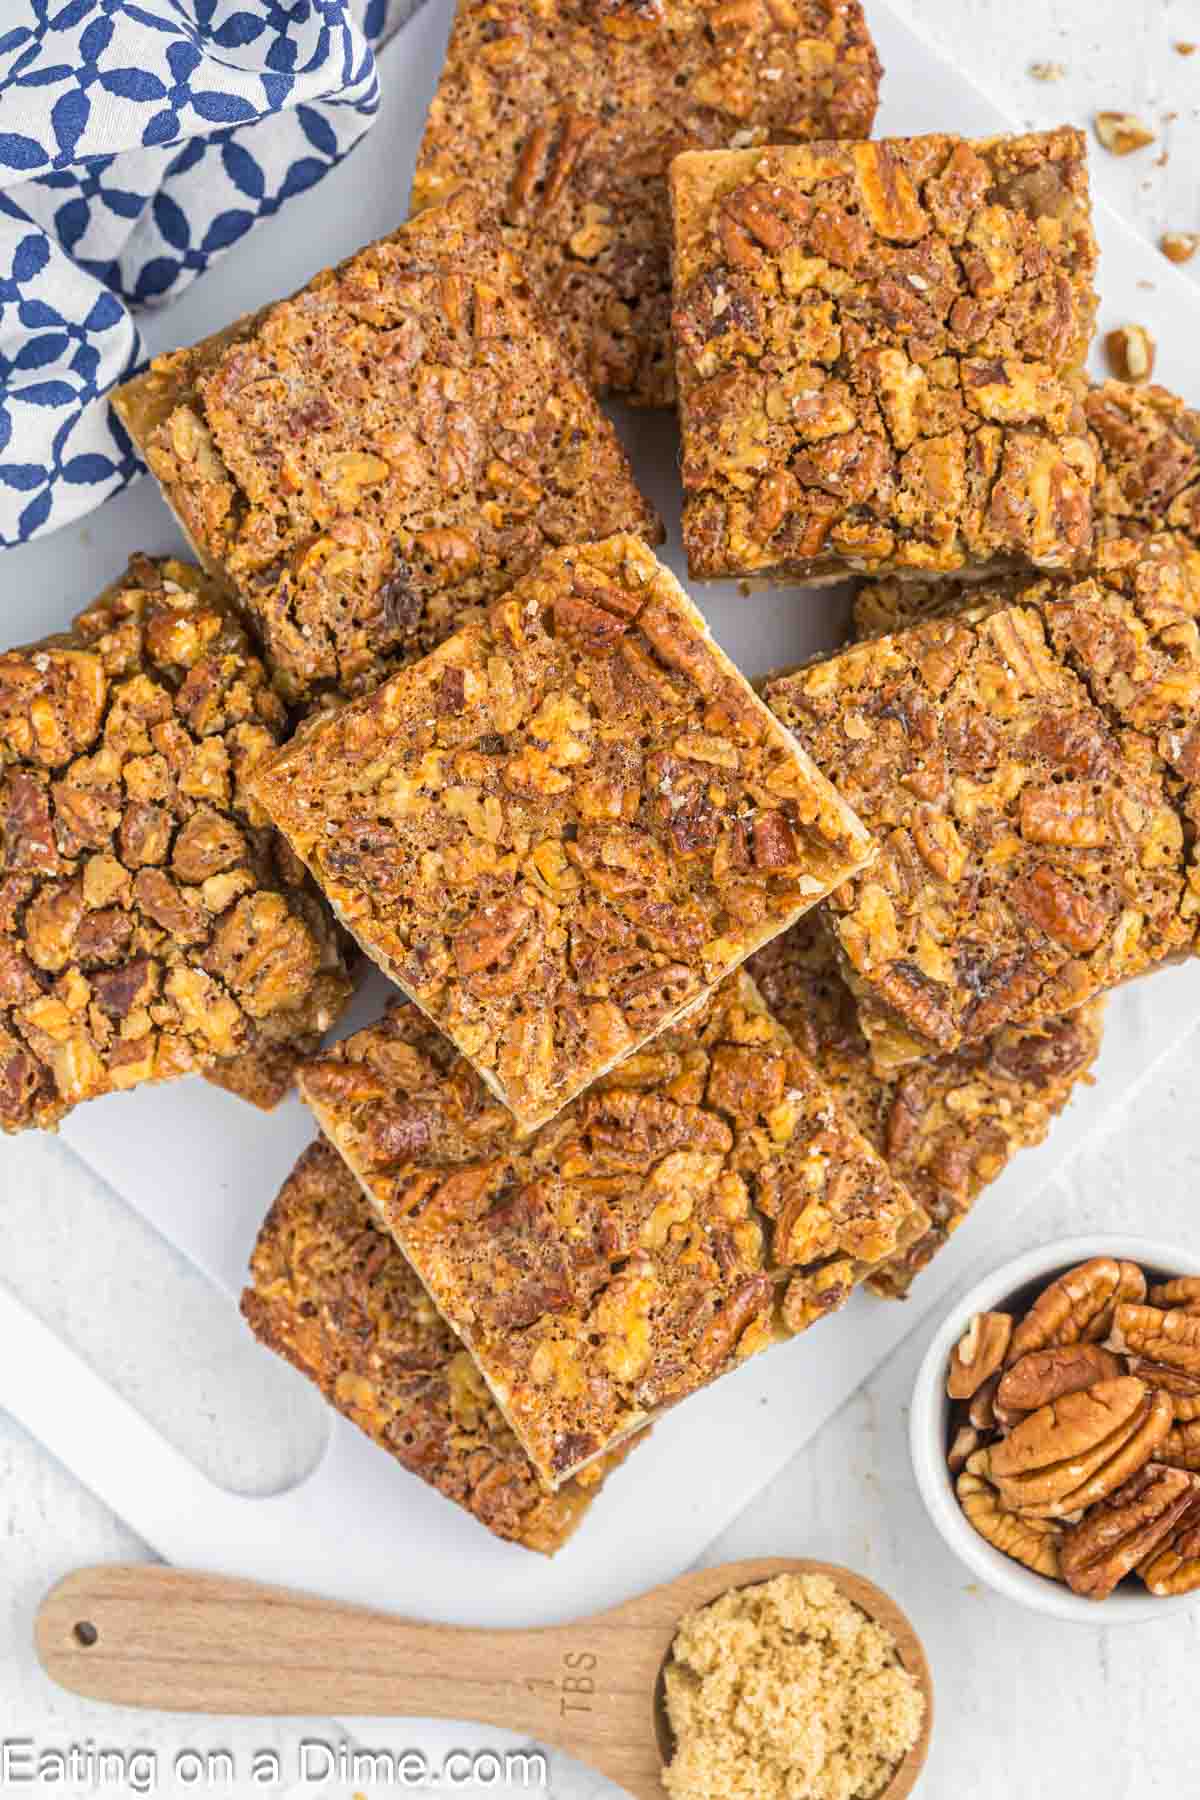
column 1174, row 1568
column 1181, row 1447
column 1170, row 1339
column 1033, row 1542
column 814, row 1296
column 743, row 1309
column 1128, row 1527
column 965, row 1443
column 982, row 1410
column 1078, row 1450
column 979, row 1353
column 1180, row 1295
column 1045, row 1375
column 1183, row 1389
column 1079, row 1306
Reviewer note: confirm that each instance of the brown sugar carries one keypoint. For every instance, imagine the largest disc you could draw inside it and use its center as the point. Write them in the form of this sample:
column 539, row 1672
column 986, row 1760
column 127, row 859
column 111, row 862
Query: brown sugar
column 787, row 1691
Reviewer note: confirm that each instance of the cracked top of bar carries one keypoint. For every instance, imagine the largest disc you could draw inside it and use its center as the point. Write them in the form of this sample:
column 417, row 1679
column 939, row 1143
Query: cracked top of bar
column 151, row 922
column 566, row 114
column 1030, row 853
column 396, row 444
column 566, row 824
column 879, row 350
column 332, row 1294
column 700, row 1202
column 947, row 1125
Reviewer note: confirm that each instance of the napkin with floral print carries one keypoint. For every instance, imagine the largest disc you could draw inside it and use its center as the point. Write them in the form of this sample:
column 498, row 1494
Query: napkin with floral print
column 140, row 140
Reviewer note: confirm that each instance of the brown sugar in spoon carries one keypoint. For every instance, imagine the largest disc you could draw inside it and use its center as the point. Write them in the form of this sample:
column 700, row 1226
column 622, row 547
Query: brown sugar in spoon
column 149, row 1636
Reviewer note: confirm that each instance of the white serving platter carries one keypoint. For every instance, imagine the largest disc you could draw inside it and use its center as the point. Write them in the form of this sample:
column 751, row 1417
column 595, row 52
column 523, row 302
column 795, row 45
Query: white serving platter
column 202, row 1168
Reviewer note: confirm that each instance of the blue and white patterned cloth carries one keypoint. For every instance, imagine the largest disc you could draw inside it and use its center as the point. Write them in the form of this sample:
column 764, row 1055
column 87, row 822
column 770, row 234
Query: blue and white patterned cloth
column 140, row 140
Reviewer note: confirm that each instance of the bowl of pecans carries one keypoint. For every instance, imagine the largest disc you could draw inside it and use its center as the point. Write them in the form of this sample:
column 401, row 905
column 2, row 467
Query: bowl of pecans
column 1055, row 1429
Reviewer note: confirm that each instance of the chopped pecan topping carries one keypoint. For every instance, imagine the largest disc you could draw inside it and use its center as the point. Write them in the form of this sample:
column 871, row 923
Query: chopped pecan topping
column 947, row 1125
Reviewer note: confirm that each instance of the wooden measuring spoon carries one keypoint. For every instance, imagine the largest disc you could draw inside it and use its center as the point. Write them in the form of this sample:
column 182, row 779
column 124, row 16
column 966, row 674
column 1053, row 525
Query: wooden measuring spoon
column 141, row 1635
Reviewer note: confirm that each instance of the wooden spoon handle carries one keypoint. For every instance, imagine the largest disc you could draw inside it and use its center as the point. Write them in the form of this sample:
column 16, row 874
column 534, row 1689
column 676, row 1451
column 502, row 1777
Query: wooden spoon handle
column 142, row 1635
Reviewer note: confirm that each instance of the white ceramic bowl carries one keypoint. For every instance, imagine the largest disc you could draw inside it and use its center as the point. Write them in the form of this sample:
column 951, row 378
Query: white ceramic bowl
column 930, row 1417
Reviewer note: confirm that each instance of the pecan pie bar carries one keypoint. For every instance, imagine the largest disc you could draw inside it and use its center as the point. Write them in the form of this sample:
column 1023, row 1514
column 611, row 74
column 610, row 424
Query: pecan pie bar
column 699, row 1203
column 879, row 350
column 1030, row 854
column 567, row 114
column 1147, row 444
column 146, row 929
column 331, row 1292
column 947, row 1125
column 1130, row 630
column 565, row 825
column 392, row 446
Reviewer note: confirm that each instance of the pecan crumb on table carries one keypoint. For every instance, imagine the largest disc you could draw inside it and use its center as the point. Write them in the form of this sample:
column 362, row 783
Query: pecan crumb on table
column 947, row 1125
column 331, row 1292
column 1031, row 854
column 703, row 1200
column 150, row 921
column 566, row 114
column 565, row 824
column 879, row 350
column 391, row 447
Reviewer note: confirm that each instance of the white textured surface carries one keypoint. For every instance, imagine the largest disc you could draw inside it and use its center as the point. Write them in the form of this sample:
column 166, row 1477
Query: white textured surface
column 1026, row 1707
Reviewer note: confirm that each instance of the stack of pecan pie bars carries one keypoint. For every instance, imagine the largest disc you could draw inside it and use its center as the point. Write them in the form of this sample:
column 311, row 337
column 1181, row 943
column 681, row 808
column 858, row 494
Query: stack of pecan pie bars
column 713, row 1003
